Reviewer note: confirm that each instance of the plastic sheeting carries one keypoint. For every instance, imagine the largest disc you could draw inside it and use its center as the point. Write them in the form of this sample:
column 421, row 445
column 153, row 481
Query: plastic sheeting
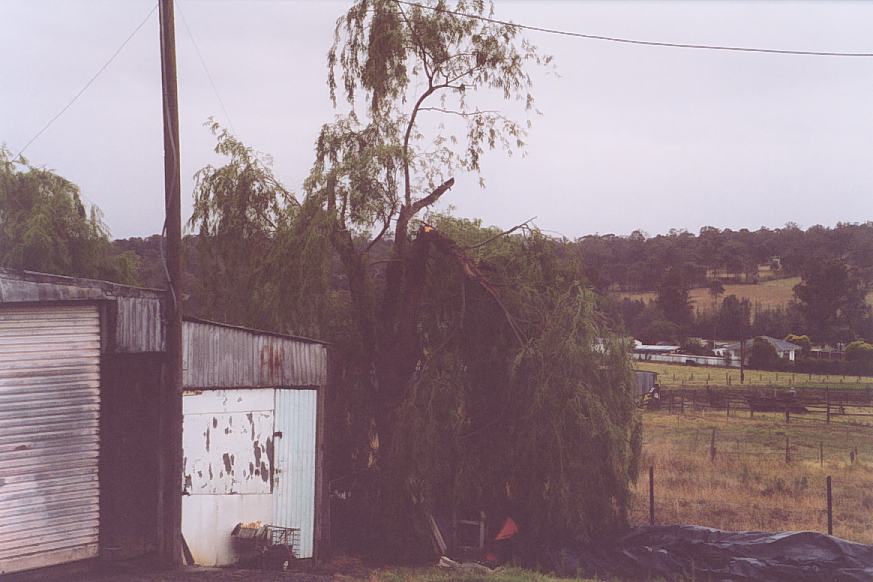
column 701, row 553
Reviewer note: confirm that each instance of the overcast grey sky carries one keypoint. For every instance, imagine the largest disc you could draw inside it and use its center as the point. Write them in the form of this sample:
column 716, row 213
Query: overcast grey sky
column 630, row 137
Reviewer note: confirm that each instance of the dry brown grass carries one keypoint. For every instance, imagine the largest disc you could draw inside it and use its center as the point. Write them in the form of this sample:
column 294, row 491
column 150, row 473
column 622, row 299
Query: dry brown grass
column 766, row 295
column 749, row 486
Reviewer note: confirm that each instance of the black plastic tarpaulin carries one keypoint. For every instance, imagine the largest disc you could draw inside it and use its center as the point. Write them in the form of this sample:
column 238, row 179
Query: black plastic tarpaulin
column 701, row 553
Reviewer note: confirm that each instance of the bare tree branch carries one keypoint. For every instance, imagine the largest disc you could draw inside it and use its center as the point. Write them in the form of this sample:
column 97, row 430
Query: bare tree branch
column 431, row 198
column 382, row 232
column 463, row 113
column 504, row 233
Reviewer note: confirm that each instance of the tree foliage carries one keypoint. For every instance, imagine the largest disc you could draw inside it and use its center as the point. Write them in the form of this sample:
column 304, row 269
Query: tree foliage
column 263, row 257
column 673, row 298
column 545, row 431
column 762, row 355
column 832, row 299
column 44, row 226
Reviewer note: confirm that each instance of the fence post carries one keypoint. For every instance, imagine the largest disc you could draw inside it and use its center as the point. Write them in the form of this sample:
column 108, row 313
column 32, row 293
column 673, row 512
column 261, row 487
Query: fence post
column 787, row 415
column 728, row 406
column 830, row 509
column 828, row 404
column 712, row 446
column 787, row 450
column 652, row 494
column 820, row 454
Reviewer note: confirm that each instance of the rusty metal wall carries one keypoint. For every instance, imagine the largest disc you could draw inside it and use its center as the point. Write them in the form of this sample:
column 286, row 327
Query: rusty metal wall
column 219, row 356
column 294, row 483
column 49, row 424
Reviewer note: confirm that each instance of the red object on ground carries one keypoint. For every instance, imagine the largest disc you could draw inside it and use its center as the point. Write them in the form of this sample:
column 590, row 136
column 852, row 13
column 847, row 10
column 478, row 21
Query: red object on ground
column 508, row 530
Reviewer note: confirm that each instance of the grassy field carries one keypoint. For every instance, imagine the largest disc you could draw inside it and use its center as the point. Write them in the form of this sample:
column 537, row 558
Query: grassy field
column 437, row 575
column 767, row 294
column 749, row 485
column 677, row 375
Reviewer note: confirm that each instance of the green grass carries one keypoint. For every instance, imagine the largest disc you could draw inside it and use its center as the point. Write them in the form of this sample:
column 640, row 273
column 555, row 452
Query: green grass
column 439, row 575
column 678, row 376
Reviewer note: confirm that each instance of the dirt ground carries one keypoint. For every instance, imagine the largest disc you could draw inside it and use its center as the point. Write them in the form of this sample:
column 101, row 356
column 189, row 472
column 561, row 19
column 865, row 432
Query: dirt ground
column 213, row 575
column 337, row 570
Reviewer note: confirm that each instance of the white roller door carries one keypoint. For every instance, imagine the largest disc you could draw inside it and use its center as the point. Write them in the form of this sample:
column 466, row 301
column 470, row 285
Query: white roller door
column 49, row 424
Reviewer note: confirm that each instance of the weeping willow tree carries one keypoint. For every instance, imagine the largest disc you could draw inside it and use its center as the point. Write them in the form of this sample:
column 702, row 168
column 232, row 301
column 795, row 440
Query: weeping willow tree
column 262, row 257
column 44, row 226
column 473, row 366
column 543, row 428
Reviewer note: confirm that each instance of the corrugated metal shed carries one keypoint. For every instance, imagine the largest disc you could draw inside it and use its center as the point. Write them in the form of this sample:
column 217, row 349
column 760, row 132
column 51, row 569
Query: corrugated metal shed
column 138, row 324
column 223, row 356
column 251, row 436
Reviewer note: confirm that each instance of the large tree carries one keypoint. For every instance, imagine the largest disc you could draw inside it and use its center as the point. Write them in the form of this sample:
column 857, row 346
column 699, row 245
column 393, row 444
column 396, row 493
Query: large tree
column 44, row 226
column 411, row 75
column 832, row 299
column 380, row 166
column 473, row 367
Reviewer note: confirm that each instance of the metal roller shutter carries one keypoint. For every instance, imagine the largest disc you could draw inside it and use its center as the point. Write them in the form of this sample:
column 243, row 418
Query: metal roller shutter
column 49, row 424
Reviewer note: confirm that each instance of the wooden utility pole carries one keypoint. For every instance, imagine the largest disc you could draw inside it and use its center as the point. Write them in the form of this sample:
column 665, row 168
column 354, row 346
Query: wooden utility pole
column 170, row 462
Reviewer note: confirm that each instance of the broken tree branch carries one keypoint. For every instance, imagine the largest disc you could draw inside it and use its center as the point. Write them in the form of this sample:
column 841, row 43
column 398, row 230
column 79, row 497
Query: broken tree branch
column 497, row 236
column 472, row 272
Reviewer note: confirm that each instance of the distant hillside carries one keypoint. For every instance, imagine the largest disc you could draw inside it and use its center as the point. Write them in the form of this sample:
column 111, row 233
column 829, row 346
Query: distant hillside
column 764, row 295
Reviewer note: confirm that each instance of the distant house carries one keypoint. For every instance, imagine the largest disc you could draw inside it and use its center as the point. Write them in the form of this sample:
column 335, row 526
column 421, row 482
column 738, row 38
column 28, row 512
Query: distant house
column 641, row 348
column 785, row 350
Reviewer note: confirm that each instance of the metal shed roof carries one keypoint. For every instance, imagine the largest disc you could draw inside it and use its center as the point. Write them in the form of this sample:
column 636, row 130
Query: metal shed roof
column 138, row 324
column 217, row 355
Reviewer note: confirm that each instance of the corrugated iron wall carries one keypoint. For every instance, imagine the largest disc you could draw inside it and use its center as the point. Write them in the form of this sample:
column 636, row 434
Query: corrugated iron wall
column 138, row 325
column 294, row 480
column 49, row 451
column 217, row 356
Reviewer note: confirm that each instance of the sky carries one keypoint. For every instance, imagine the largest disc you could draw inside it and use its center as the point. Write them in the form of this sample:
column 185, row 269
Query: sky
column 630, row 137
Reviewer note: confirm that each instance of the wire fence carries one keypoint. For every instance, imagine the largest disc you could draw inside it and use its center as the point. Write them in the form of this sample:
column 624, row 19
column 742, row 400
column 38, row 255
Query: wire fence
column 828, row 405
column 680, row 376
column 743, row 459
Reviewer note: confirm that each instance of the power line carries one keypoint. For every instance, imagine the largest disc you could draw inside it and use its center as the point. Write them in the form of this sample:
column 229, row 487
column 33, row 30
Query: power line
column 635, row 41
column 89, row 83
column 205, row 68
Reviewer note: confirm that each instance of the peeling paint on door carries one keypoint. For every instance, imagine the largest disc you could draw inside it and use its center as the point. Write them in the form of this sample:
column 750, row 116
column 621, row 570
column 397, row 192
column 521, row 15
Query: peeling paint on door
column 225, row 449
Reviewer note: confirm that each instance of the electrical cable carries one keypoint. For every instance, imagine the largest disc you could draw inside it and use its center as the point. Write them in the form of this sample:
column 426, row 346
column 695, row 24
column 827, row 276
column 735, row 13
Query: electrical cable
column 635, row 41
column 205, row 68
column 88, row 84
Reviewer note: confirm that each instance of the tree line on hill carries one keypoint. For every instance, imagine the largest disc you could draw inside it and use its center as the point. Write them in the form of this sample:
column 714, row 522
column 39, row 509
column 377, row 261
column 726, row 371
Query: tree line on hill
column 828, row 307
column 641, row 263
